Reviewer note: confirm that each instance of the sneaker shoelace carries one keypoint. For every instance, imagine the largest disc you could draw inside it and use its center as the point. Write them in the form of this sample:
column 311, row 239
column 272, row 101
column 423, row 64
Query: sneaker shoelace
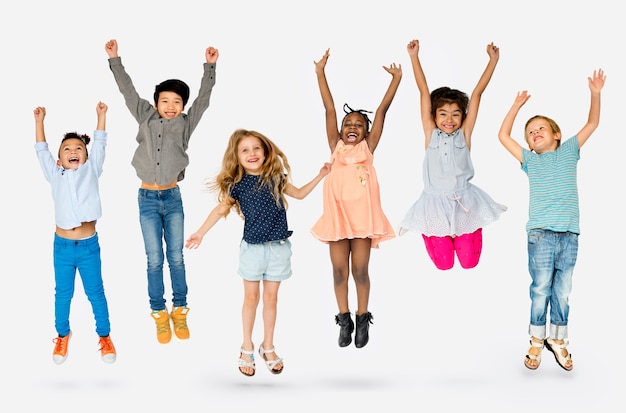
column 106, row 345
column 61, row 345
column 180, row 323
column 163, row 326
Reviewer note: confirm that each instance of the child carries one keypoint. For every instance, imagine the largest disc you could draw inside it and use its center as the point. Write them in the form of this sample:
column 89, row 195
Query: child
column 74, row 181
column 553, row 223
column 160, row 161
column 353, row 221
column 254, row 180
column 451, row 211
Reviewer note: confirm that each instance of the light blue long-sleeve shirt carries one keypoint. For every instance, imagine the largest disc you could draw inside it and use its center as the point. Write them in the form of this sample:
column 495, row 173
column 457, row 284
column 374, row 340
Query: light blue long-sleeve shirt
column 75, row 192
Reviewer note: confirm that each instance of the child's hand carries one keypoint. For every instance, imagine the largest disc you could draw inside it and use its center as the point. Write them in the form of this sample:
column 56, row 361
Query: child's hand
column 521, row 98
column 193, row 241
column 211, row 54
column 111, row 48
column 413, row 47
column 395, row 71
column 40, row 113
column 493, row 51
column 596, row 83
column 325, row 170
column 321, row 64
column 101, row 108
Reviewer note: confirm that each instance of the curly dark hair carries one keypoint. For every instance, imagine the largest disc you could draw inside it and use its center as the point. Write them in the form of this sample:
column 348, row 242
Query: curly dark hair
column 74, row 135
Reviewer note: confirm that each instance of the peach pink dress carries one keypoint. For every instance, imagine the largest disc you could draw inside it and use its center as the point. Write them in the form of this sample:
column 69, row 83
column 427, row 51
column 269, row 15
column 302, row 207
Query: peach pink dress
column 352, row 207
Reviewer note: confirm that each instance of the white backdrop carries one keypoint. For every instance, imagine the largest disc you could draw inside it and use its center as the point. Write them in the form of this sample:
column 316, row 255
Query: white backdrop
column 441, row 341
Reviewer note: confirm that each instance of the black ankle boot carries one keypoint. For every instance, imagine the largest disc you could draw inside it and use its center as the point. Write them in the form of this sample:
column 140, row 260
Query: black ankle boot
column 363, row 322
column 346, row 328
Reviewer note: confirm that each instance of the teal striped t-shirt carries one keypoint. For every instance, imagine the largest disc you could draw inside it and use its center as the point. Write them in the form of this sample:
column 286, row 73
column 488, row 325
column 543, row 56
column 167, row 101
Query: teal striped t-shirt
column 552, row 178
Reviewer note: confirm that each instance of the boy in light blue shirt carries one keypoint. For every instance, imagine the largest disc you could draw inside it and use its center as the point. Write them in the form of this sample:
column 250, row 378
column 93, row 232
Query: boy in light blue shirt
column 74, row 178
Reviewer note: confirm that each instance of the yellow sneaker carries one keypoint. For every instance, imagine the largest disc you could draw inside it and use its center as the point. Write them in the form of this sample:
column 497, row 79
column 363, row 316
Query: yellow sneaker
column 60, row 348
column 107, row 350
column 179, row 319
column 163, row 330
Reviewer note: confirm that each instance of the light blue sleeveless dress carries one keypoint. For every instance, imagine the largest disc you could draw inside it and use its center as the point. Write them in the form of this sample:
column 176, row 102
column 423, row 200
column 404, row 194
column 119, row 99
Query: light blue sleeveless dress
column 449, row 205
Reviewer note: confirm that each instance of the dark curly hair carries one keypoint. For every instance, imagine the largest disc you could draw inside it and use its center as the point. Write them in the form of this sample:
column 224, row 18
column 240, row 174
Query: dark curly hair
column 74, row 135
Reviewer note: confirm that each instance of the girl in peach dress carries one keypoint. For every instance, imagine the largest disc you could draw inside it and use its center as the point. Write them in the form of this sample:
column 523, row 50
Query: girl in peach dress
column 353, row 221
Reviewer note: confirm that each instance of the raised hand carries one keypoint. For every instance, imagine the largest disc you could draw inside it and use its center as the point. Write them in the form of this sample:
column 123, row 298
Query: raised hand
column 211, row 54
column 111, row 48
column 321, row 64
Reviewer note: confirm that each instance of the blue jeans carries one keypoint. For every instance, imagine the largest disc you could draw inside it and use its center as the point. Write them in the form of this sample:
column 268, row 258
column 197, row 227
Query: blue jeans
column 84, row 256
column 551, row 260
column 162, row 218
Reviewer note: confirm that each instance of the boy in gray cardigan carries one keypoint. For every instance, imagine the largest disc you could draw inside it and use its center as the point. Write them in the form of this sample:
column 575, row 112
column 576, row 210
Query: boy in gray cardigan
column 160, row 161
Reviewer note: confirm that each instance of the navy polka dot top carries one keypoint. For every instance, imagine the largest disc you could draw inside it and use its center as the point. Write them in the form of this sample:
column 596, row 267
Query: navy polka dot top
column 263, row 219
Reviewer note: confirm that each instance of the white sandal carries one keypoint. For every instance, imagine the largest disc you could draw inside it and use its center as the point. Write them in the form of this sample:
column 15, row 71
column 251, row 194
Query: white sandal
column 245, row 363
column 271, row 363
column 534, row 357
column 565, row 361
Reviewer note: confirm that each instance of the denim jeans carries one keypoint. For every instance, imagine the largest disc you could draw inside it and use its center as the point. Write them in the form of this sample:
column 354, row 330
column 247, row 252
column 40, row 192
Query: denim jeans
column 551, row 260
column 84, row 256
column 162, row 219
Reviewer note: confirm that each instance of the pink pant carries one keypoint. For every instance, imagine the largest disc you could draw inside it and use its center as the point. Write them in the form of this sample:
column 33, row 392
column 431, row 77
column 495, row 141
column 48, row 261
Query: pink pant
column 467, row 246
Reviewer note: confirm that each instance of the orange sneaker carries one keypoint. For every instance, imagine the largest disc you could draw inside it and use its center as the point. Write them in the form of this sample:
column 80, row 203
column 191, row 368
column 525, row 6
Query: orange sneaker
column 163, row 329
column 179, row 319
column 107, row 349
column 60, row 348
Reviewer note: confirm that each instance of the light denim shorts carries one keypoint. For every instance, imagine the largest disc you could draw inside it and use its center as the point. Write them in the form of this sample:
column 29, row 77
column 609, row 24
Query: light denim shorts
column 270, row 261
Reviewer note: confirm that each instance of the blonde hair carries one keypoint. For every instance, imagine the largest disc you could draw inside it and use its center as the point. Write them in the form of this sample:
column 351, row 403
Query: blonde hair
column 275, row 171
column 553, row 125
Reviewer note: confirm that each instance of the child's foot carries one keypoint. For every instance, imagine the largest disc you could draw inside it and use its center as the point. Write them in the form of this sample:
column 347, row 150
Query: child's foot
column 246, row 363
column 60, row 348
column 107, row 349
column 272, row 361
column 163, row 329
column 179, row 320
column 533, row 357
column 562, row 356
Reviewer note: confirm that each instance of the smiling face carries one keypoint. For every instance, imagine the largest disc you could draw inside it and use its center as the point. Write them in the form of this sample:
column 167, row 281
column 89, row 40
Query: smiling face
column 542, row 135
column 251, row 154
column 353, row 128
column 169, row 105
column 73, row 152
column 449, row 117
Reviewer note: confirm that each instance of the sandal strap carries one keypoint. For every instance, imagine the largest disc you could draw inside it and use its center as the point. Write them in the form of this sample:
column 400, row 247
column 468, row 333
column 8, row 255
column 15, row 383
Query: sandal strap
column 262, row 351
column 272, row 363
column 537, row 344
column 248, row 352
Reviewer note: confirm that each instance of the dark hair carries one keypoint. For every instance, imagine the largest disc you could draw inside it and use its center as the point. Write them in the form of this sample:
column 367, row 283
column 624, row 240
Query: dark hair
column 348, row 110
column 445, row 95
column 73, row 135
column 172, row 85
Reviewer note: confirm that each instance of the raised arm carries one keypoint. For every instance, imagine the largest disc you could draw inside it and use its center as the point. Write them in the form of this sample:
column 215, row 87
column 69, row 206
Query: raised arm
column 504, row 134
column 474, row 102
column 381, row 112
column 332, row 130
column 220, row 211
column 303, row 191
column 596, row 83
column 101, row 110
column 40, row 114
column 428, row 122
